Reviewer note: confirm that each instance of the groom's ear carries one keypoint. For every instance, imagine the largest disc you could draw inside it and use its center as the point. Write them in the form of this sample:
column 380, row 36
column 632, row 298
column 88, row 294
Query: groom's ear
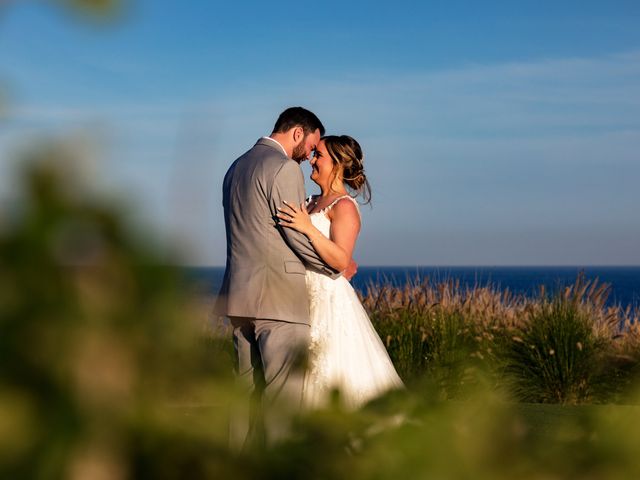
column 298, row 134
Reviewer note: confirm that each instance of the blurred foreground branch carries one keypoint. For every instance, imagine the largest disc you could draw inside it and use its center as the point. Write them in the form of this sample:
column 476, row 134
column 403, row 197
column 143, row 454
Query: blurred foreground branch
column 98, row 345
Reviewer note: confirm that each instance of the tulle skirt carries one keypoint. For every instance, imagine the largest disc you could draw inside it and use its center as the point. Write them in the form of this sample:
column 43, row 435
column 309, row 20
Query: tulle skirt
column 346, row 352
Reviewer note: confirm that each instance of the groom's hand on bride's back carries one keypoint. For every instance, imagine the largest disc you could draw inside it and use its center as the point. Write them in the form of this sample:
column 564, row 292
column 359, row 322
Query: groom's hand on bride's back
column 351, row 270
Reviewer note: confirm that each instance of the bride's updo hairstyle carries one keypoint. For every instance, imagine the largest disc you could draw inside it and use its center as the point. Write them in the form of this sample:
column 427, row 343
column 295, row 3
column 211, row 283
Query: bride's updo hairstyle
column 347, row 154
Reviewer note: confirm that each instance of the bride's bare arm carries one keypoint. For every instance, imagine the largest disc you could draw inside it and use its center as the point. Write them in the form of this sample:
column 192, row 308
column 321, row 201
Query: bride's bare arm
column 345, row 227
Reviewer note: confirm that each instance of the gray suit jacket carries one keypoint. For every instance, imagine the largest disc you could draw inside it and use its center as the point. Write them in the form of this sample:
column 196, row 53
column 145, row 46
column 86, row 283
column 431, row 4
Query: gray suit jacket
column 265, row 271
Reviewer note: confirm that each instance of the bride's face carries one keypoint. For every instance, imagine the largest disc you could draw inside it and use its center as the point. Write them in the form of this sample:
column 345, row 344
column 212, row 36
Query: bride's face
column 321, row 165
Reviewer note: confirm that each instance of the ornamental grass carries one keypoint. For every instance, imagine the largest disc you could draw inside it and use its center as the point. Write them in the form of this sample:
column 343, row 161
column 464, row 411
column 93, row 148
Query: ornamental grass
column 565, row 346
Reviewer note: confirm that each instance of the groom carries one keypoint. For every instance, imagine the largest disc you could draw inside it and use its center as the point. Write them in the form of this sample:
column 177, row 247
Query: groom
column 264, row 290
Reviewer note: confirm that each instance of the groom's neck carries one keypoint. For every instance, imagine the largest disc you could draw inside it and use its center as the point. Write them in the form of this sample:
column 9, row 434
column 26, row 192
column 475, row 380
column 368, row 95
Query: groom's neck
column 284, row 140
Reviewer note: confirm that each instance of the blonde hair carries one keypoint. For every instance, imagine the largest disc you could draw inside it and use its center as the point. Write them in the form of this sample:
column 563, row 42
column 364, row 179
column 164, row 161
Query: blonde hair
column 346, row 153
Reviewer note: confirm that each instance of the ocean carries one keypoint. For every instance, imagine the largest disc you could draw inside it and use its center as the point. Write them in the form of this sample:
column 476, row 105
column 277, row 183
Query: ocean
column 624, row 281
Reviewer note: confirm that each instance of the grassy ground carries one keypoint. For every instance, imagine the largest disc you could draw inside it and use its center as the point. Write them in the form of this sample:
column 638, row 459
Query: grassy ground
column 543, row 419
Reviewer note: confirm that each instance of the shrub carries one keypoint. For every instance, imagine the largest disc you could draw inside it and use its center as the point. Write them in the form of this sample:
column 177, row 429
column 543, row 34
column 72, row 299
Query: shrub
column 578, row 348
column 98, row 350
column 441, row 334
column 554, row 356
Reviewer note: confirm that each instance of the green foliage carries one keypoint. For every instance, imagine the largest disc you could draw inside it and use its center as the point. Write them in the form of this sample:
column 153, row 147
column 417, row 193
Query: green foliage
column 97, row 9
column 555, row 356
column 569, row 348
column 98, row 348
column 434, row 347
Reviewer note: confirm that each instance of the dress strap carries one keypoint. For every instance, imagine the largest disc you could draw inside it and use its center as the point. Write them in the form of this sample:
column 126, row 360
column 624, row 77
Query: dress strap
column 330, row 206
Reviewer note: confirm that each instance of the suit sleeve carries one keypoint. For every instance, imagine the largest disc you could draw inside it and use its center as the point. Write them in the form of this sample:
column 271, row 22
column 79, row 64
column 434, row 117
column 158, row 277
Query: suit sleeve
column 289, row 185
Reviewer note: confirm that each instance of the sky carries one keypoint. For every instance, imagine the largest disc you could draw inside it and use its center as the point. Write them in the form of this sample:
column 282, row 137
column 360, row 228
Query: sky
column 495, row 133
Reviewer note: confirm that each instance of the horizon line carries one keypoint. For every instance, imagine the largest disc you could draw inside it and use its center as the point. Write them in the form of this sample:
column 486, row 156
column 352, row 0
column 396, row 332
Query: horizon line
column 616, row 265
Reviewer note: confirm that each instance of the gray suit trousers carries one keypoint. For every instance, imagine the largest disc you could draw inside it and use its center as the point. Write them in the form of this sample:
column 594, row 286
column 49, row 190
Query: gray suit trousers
column 271, row 360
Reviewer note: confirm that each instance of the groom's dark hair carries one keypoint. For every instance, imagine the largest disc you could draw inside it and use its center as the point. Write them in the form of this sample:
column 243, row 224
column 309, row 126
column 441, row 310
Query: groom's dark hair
column 298, row 116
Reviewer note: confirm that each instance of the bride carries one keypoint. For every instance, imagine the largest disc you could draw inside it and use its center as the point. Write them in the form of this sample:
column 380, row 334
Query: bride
column 346, row 352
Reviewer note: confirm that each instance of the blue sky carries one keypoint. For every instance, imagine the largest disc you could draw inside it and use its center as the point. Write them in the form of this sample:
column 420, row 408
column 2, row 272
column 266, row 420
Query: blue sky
column 495, row 133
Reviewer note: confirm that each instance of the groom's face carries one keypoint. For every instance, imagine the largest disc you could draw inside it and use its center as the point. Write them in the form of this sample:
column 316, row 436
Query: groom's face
column 302, row 151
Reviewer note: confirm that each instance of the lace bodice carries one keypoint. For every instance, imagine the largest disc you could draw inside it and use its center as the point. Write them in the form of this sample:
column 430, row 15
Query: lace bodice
column 320, row 219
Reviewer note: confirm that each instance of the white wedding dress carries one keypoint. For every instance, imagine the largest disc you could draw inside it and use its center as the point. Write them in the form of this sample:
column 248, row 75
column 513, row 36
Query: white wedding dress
column 346, row 352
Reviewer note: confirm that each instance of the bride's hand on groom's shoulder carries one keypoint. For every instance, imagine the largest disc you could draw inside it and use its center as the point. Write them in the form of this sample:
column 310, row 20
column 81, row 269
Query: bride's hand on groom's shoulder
column 295, row 217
